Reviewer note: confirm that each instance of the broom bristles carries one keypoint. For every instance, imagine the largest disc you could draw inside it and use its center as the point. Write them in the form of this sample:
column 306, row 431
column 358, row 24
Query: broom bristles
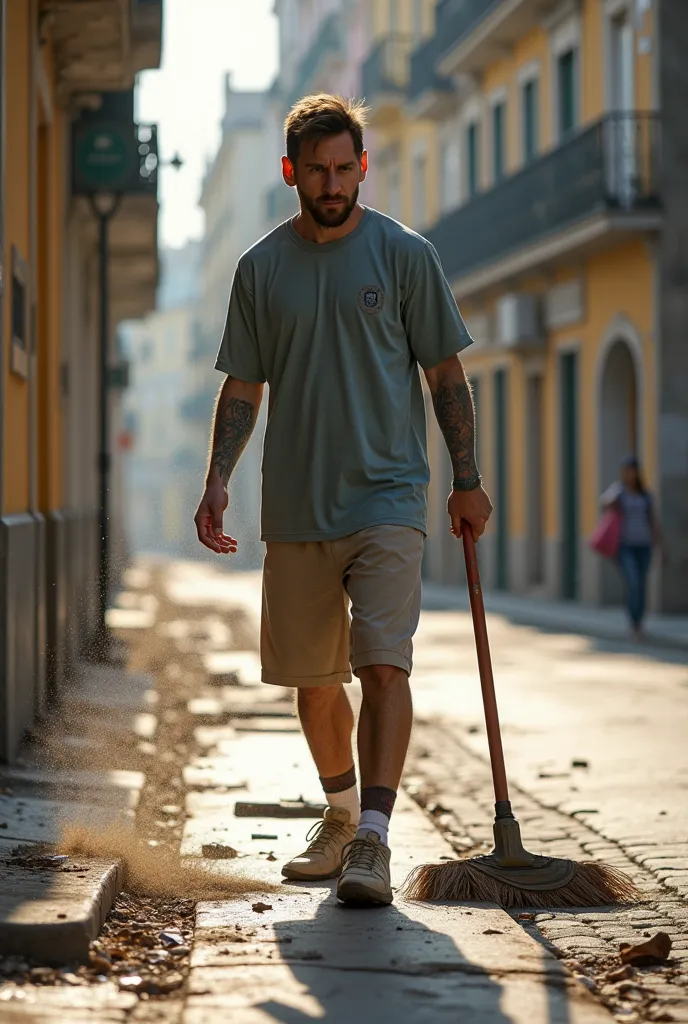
column 593, row 885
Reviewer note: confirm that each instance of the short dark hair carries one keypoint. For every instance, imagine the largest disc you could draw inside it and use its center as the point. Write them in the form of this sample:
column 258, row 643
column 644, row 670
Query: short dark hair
column 314, row 117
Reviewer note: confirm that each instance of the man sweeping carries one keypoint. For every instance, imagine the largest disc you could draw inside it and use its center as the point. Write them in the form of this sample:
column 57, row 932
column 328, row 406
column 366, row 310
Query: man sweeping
column 336, row 310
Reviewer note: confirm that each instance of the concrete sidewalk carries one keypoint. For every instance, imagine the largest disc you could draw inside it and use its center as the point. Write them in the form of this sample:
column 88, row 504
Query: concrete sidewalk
column 298, row 955
column 51, row 907
column 563, row 616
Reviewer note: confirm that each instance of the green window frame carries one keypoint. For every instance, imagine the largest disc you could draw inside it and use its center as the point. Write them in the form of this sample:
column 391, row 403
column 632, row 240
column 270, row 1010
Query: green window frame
column 498, row 141
column 530, row 103
column 473, row 158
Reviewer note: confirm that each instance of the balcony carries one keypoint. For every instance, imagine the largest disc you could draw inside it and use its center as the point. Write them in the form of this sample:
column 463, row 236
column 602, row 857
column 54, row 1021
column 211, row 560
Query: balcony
column 324, row 56
column 585, row 195
column 281, row 203
column 101, row 44
column 471, row 33
column 385, row 79
column 430, row 94
column 146, row 33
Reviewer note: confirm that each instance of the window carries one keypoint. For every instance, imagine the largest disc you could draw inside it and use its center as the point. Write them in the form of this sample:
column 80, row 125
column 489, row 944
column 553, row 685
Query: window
column 393, row 16
column 420, row 166
column 498, row 146
column 19, row 357
column 530, row 96
column 621, row 42
column 566, row 82
column 418, row 6
column 450, row 178
column 473, row 158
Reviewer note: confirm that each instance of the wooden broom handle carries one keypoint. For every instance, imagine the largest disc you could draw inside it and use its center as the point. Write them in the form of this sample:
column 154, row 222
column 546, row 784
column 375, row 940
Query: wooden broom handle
column 475, row 593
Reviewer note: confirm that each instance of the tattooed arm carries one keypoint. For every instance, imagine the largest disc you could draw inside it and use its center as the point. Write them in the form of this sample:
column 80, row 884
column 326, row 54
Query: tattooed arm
column 236, row 412
column 453, row 402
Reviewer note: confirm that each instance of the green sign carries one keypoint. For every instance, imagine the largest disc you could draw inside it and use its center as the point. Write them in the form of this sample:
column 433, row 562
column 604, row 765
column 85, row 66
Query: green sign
column 105, row 158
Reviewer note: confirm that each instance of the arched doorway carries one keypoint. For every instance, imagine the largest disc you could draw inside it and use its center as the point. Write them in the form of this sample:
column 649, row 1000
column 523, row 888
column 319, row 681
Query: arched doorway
column 618, row 435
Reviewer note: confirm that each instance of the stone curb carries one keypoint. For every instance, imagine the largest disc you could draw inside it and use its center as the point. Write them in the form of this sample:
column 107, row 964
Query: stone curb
column 52, row 916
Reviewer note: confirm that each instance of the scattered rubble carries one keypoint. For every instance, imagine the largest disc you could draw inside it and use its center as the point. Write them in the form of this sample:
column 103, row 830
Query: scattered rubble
column 655, row 951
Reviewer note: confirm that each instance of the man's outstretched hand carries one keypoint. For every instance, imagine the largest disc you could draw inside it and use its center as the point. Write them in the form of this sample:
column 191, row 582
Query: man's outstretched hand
column 473, row 506
column 208, row 520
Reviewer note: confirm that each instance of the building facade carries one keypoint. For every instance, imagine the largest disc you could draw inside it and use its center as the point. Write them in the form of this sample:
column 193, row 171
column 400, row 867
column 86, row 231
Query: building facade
column 61, row 65
column 559, row 157
column 539, row 145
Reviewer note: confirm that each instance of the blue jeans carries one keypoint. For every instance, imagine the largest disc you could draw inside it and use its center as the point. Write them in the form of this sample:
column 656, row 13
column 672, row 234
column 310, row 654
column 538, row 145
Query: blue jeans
column 634, row 563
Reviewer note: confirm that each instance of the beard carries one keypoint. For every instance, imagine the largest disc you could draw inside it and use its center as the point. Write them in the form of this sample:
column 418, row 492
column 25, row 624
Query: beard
column 328, row 218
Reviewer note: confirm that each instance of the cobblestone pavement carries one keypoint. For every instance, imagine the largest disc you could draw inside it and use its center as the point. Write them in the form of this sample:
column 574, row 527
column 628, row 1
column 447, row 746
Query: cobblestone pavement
column 594, row 737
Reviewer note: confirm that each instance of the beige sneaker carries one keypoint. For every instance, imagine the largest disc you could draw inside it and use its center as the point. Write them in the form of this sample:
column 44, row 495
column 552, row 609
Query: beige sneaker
column 365, row 875
column 323, row 856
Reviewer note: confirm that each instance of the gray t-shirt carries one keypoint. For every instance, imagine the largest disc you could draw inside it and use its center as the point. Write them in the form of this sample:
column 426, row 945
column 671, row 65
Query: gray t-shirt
column 337, row 331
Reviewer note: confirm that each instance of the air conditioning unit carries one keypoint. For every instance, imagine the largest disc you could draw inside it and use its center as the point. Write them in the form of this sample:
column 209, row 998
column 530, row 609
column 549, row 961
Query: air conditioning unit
column 518, row 324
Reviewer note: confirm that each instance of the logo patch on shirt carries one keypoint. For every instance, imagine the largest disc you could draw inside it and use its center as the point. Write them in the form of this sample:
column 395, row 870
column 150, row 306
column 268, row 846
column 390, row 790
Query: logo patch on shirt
column 371, row 299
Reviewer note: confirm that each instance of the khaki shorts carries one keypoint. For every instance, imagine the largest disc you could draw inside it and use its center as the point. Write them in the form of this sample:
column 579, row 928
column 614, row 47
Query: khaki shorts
column 307, row 635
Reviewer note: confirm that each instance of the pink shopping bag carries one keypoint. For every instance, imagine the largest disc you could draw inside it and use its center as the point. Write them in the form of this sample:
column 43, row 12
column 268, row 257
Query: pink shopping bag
column 607, row 536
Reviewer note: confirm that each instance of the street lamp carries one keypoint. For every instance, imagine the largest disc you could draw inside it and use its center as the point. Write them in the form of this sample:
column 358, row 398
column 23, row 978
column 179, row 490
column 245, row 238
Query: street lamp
column 110, row 161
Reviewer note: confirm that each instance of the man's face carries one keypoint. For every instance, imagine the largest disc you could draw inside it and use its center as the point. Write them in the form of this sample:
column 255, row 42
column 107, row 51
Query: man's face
column 327, row 176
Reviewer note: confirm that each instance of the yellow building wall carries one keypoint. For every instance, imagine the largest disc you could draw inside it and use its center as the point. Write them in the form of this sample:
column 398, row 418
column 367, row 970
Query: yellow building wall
column 618, row 282
column 50, row 187
column 592, row 62
column 16, row 494
column 381, row 16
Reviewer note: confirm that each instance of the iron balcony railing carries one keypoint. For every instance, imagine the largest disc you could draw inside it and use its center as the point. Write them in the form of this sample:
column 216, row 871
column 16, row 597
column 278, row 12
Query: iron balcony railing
column 329, row 39
column 388, row 67
column 611, row 165
column 424, row 76
column 457, row 18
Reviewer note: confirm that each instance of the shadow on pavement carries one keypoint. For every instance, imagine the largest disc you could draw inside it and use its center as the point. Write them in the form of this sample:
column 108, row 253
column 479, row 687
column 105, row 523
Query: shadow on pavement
column 355, row 965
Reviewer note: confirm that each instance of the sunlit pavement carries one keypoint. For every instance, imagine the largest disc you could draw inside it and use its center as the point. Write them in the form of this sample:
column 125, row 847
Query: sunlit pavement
column 282, row 952
column 617, row 712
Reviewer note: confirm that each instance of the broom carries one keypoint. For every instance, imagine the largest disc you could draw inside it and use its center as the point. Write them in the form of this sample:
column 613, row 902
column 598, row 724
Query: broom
column 510, row 875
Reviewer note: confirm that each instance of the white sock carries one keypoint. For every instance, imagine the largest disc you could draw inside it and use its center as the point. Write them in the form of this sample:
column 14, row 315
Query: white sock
column 373, row 821
column 349, row 800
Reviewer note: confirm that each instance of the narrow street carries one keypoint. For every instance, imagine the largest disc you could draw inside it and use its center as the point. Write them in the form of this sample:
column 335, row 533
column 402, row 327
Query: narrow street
column 213, row 768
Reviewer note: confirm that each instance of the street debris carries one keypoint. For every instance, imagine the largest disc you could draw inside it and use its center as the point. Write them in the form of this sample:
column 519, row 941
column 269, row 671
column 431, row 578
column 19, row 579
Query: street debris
column 655, row 951
column 620, row 974
column 218, row 851
column 260, row 908
column 588, row 982
column 284, row 809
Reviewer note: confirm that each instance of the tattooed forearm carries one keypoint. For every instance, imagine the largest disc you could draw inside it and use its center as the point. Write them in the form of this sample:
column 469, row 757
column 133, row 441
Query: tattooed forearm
column 234, row 422
column 456, row 417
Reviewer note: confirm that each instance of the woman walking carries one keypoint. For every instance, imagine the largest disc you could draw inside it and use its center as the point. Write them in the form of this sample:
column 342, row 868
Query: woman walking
column 639, row 534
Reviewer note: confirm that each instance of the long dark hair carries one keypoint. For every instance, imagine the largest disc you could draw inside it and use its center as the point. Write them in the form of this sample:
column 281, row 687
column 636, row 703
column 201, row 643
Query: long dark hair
column 631, row 462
